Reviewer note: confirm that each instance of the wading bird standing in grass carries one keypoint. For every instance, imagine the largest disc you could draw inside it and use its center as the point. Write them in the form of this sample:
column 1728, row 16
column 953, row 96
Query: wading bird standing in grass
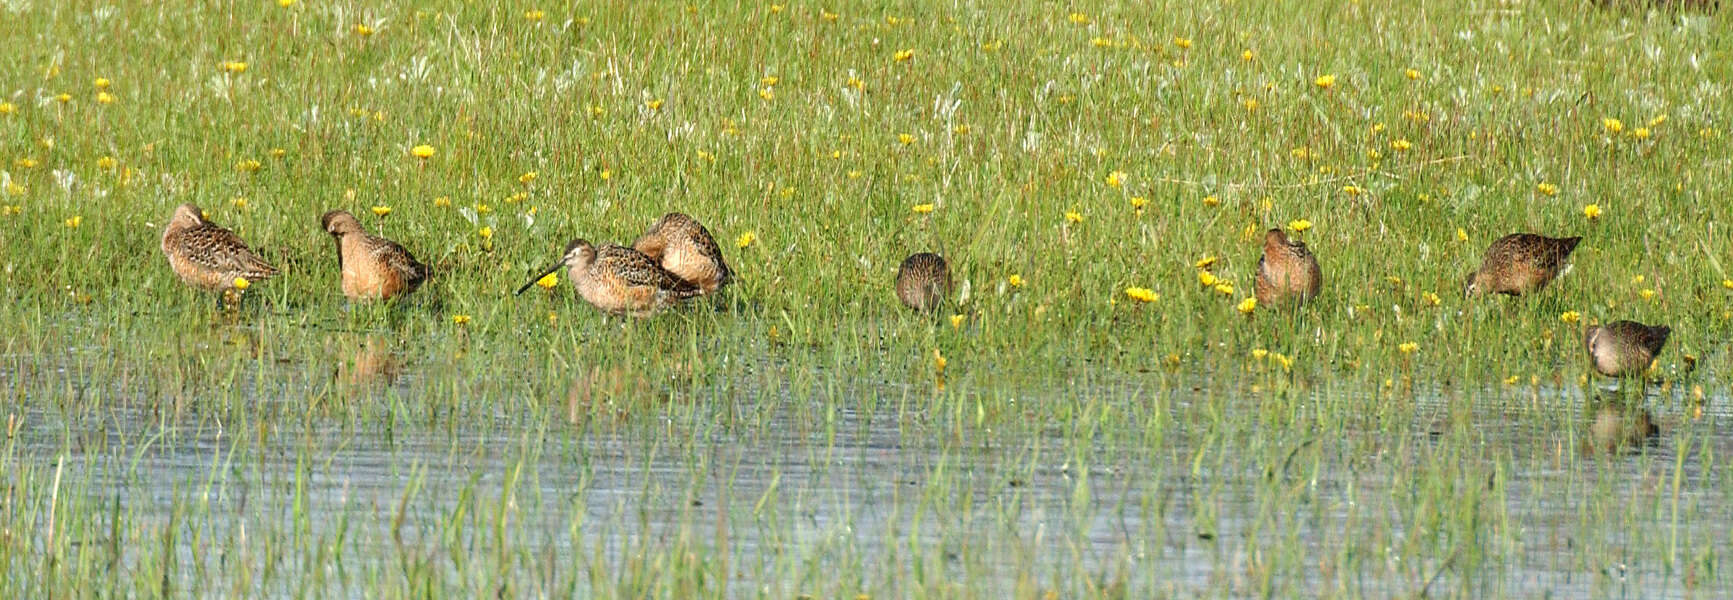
column 684, row 247
column 1624, row 348
column 923, row 281
column 209, row 257
column 618, row 280
column 373, row 267
column 1288, row 272
column 1520, row 263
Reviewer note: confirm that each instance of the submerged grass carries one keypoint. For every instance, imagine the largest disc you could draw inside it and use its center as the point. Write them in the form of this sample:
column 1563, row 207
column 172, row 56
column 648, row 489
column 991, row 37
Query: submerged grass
column 1102, row 423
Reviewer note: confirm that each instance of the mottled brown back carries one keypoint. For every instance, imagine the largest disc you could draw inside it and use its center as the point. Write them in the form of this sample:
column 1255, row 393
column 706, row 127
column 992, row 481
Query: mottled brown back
column 923, row 281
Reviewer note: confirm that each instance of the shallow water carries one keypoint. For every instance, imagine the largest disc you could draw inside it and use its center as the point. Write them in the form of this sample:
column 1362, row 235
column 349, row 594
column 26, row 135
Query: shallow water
column 339, row 472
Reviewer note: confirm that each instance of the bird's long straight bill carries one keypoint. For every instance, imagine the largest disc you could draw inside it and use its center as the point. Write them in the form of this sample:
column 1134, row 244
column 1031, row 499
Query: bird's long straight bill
column 538, row 277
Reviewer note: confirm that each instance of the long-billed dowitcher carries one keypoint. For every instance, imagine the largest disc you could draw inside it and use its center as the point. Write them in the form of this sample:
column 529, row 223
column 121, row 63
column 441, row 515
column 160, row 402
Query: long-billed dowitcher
column 923, row 281
column 618, row 280
column 1520, row 263
column 684, row 247
column 209, row 257
column 1623, row 348
column 1288, row 272
column 373, row 267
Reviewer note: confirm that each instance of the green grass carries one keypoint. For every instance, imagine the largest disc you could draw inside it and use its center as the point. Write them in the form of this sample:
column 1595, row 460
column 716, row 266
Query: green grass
column 793, row 436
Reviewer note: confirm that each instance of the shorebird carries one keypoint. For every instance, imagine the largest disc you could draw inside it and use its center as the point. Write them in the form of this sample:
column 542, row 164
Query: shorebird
column 684, row 247
column 618, row 280
column 1288, row 272
column 1520, row 263
column 373, row 267
column 1624, row 348
column 923, row 281
column 209, row 257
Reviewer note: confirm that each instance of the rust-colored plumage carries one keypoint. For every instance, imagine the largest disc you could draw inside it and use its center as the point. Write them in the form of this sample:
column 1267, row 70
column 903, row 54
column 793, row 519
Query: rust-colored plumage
column 684, row 247
column 209, row 257
column 619, row 280
column 1624, row 348
column 1287, row 273
column 923, row 281
column 373, row 267
column 1520, row 263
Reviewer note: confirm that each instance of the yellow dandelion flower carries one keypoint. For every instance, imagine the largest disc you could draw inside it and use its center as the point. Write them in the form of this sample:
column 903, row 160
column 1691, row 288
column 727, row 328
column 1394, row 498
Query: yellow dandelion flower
column 826, row 15
column 104, row 98
column 1613, row 126
column 923, row 208
column 1116, row 178
column 1352, row 190
column 1546, row 189
column 102, row 83
column 422, row 151
column 767, row 93
column 939, row 361
column 607, row 174
column 459, row 319
column 903, row 55
column 547, row 282
column 241, row 283
column 1727, row 283
column 1073, row 216
column 1016, row 281
column 1592, row 211
column 1101, row 42
column 234, row 67
column 1300, row 225
column 1401, row 145
column 381, row 210
column 1641, row 133
column 961, row 129
column 1247, row 55
column 238, row 201
column 486, row 233
column 655, row 104
column 1138, row 202
column 1207, row 279
column 106, row 163
column 1205, row 262
column 527, row 177
column 7, row 108
column 1211, row 200
column 363, row 29
column 1325, row 81
column 745, row 239
column 854, row 174
column 957, row 321
column 1078, row 18
column 1647, row 294
column 1461, row 234
column 1259, row 353
column 1408, row 347
column 1247, row 306
column 1183, row 43
column 1225, row 288
column 905, row 139
column 534, row 15
column 247, row 166
column 25, row 163
column 1707, row 133
column 74, row 221
column 1570, row 316
column 1142, row 294
column 1411, row 74
column 63, row 98
column 442, row 201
